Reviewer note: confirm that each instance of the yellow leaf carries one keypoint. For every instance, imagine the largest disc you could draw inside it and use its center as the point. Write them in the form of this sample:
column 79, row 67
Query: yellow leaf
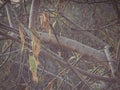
column 22, row 36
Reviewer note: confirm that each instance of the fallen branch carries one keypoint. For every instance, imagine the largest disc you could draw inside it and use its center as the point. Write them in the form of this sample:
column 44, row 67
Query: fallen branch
column 63, row 63
column 83, row 49
column 96, row 55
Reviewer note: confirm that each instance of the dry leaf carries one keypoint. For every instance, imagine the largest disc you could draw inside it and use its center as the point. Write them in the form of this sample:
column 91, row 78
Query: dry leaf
column 22, row 36
column 35, row 77
column 36, row 47
column 45, row 21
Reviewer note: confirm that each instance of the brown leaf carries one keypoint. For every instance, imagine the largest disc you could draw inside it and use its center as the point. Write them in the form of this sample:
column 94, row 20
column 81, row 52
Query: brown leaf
column 45, row 20
column 35, row 46
column 22, row 36
column 35, row 77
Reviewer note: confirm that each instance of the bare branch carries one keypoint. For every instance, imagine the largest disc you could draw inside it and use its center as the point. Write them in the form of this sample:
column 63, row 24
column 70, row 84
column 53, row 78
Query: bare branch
column 76, row 46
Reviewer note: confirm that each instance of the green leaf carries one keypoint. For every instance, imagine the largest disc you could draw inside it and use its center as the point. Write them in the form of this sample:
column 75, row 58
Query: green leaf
column 32, row 63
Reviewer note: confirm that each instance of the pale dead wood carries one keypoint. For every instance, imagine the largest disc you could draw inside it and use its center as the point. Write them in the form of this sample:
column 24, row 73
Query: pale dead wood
column 76, row 46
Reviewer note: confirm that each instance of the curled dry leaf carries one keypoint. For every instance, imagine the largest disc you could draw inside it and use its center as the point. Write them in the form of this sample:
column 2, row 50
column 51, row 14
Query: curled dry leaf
column 45, row 22
column 45, row 19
